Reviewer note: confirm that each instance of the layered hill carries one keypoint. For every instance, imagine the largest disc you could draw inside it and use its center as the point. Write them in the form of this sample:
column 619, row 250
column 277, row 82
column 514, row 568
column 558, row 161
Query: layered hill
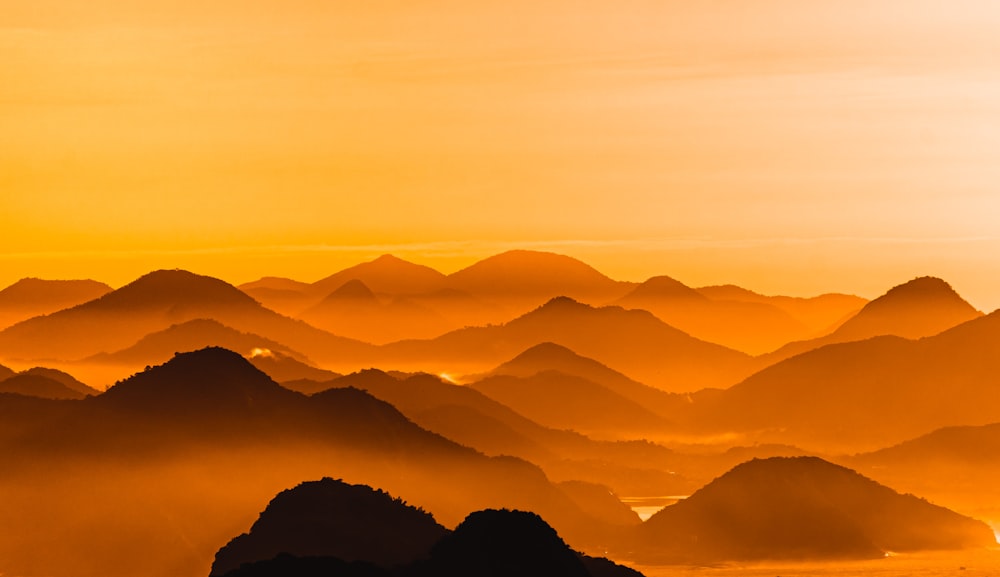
column 922, row 307
column 868, row 394
column 751, row 327
column 632, row 341
column 149, row 454
column 800, row 508
column 153, row 303
column 821, row 314
column 32, row 297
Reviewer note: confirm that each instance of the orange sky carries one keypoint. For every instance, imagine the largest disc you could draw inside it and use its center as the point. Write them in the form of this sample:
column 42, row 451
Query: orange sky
column 791, row 147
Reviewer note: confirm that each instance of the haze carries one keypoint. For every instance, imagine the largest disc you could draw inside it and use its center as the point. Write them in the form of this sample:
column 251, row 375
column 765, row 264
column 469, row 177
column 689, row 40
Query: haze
column 789, row 147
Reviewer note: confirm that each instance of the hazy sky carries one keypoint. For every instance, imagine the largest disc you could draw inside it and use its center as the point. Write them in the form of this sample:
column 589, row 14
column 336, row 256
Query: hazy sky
column 788, row 146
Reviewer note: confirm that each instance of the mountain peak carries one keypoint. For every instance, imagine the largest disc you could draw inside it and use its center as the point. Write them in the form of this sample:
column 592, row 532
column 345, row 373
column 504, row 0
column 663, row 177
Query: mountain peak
column 353, row 289
column 168, row 287
column 921, row 307
column 664, row 287
column 386, row 274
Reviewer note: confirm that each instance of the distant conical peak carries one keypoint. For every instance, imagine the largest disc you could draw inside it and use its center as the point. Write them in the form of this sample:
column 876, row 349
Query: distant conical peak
column 924, row 287
column 353, row 289
column 546, row 350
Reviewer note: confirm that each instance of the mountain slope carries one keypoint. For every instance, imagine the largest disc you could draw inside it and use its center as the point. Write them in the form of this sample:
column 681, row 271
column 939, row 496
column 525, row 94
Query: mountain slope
column 632, row 341
column 801, row 508
column 31, row 297
column 820, row 314
column 922, row 307
column 386, row 274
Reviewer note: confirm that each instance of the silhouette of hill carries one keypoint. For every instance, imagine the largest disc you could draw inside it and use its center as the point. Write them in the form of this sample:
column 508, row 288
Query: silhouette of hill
column 160, row 346
column 800, row 508
column 469, row 417
column 821, row 314
column 155, row 302
column 332, row 518
column 865, row 395
column 553, row 357
column 286, row 296
column 353, row 310
column 33, row 385
column 562, row 401
column 32, row 297
column 633, row 341
column 521, row 279
column 6, row 372
column 385, row 275
column 751, row 327
column 63, row 378
column 922, row 307
column 143, row 467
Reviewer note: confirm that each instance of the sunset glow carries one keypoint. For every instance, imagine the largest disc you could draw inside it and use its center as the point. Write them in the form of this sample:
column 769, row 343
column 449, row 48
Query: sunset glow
column 790, row 148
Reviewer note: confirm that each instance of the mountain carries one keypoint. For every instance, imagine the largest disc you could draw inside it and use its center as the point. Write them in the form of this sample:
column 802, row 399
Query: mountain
column 800, row 508
column 32, row 297
column 562, row 401
column 38, row 386
column 6, row 372
column 160, row 346
column 490, row 543
column 751, row 327
column 820, row 314
column 154, row 473
column 155, row 302
column 521, row 279
column 286, row 296
column 632, row 341
column 283, row 368
column 865, row 395
column 63, row 378
column 353, row 310
column 553, row 357
column 385, row 275
column 922, row 307
column 335, row 519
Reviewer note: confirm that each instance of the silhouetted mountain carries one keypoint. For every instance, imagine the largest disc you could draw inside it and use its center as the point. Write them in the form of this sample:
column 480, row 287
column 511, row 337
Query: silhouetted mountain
column 751, row 327
column 385, row 275
column 148, row 469
column 158, row 347
column 820, row 314
column 155, row 302
column 6, row 372
column 800, row 508
column 521, row 279
column 31, row 297
column 64, row 378
column 353, row 310
column 563, row 401
column 469, row 417
column 335, row 519
column 922, row 307
column 868, row 394
column 634, row 342
column 286, row 296
column 553, row 357
column 38, row 386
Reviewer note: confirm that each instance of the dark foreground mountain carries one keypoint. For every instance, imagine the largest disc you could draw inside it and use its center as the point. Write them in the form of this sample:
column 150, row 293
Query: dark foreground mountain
column 329, row 524
column 153, row 475
column 800, row 508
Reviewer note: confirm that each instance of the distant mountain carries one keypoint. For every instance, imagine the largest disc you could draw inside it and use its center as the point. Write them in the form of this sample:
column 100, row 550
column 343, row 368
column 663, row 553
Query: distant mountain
column 158, row 347
column 6, row 372
column 155, row 302
column 820, row 314
column 521, row 279
column 286, row 296
column 34, row 385
column 919, row 308
column 751, row 327
column 632, row 341
column 385, row 275
column 63, row 378
column 353, row 310
column 800, row 508
column 553, row 357
column 335, row 519
column 868, row 394
column 563, row 401
column 31, row 297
